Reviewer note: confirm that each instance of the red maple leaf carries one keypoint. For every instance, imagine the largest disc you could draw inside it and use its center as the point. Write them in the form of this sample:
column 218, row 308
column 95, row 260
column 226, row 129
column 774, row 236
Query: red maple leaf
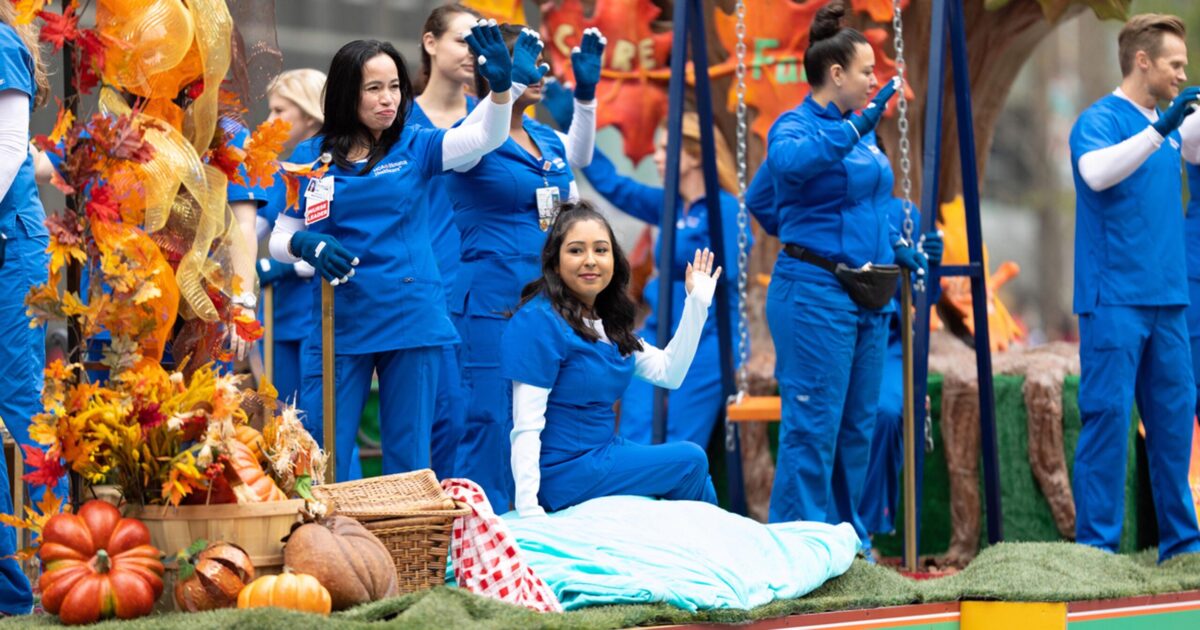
column 89, row 56
column 103, row 205
column 59, row 29
column 227, row 159
column 628, row 97
column 247, row 327
column 44, row 471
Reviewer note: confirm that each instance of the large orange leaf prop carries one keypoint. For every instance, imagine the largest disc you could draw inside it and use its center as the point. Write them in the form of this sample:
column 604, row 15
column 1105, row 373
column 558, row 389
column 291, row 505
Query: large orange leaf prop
column 629, row 96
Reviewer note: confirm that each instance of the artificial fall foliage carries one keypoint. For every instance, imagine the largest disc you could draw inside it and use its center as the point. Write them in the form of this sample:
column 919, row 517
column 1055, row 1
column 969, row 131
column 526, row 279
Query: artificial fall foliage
column 629, row 96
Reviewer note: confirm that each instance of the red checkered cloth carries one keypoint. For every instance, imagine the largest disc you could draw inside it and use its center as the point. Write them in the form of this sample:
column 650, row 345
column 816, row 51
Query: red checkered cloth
column 487, row 560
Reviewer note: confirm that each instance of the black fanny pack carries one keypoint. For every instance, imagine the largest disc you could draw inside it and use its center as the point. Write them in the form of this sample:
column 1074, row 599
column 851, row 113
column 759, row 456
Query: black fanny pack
column 870, row 287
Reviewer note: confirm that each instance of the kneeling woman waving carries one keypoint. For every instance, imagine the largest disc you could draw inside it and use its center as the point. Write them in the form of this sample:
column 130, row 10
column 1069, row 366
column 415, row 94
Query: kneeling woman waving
column 571, row 352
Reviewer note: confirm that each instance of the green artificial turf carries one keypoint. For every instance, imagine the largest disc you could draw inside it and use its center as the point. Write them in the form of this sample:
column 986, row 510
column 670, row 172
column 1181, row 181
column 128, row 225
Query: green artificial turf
column 1009, row 571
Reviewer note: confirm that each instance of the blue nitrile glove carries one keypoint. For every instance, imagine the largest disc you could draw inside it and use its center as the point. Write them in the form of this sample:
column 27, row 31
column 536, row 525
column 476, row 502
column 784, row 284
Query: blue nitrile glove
column 272, row 271
column 932, row 246
column 1178, row 110
column 559, row 101
column 492, row 57
column 585, row 63
column 908, row 257
column 526, row 70
column 870, row 116
column 326, row 255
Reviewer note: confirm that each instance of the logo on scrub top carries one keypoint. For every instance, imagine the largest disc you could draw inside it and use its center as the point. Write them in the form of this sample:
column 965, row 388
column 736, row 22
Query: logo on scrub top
column 557, row 163
column 389, row 167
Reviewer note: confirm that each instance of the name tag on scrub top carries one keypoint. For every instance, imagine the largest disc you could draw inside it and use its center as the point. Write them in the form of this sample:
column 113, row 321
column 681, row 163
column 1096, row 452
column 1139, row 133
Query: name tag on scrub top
column 318, row 197
column 547, row 203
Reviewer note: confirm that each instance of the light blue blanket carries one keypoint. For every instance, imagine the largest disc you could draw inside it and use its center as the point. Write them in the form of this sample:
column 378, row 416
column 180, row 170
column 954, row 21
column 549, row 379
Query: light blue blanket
column 623, row 550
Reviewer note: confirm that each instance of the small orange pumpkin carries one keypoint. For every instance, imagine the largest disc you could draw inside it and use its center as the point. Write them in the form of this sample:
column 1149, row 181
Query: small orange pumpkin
column 250, row 436
column 245, row 474
column 294, row 591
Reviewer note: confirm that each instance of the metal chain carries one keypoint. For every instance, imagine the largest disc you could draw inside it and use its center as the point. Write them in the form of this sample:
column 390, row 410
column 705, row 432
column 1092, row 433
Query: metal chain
column 902, row 125
column 743, row 218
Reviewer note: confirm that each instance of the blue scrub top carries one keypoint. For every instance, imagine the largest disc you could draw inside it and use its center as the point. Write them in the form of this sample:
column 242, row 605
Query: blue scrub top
column 691, row 233
column 1192, row 223
column 1128, row 238
column 760, row 199
column 585, row 378
column 21, row 201
column 446, row 242
column 395, row 300
column 293, row 294
column 828, row 183
column 495, row 209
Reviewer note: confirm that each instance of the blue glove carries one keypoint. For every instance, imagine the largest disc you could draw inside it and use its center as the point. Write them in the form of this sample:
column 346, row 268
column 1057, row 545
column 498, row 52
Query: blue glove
column 866, row 121
column 932, row 246
column 326, row 255
column 585, row 63
column 272, row 271
column 1179, row 109
column 526, row 70
column 908, row 257
column 559, row 101
column 494, row 62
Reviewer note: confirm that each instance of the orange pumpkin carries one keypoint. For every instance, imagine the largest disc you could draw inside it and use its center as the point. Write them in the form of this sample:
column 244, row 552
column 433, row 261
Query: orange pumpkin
column 98, row 566
column 218, row 575
column 294, row 591
column 245, row 474
column 250, row 436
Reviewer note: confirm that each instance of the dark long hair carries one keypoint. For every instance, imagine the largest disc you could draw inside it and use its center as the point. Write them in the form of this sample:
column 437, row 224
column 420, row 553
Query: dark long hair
column 510, row 32
column 342, row 129
column 613, row 306
column 437, row 23
column 829, row 43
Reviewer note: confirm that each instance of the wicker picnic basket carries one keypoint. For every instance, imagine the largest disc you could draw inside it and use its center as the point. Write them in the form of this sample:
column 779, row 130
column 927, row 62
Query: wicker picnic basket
column 409, row 513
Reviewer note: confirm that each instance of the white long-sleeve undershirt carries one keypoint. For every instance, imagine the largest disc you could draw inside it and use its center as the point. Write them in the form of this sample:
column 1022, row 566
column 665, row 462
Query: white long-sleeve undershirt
column 463, row 144
column 14, row 136
column 664, row 368
column 1102, row 169
column 579, row 142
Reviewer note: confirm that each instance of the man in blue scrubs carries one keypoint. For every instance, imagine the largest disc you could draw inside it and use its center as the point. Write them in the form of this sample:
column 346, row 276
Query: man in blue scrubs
column 1131, row 288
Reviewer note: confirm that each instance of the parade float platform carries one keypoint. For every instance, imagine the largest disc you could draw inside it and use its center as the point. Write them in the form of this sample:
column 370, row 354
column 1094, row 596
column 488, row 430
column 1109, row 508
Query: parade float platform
column 1015, row 585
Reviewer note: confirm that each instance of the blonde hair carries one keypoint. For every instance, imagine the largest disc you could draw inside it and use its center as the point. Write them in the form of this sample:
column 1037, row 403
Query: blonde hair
column 726, row 168
column 1145, row 32
column 29, row 36
column 304, row 87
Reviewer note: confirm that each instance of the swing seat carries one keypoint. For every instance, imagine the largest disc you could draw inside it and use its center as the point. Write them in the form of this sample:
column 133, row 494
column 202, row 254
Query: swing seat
column 755, row 409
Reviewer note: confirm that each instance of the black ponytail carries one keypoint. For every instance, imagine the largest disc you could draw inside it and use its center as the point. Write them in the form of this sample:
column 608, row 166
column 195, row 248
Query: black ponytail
column 829, row 43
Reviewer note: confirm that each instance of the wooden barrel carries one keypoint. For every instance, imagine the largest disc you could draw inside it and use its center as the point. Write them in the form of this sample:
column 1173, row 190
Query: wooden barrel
column 256, row 527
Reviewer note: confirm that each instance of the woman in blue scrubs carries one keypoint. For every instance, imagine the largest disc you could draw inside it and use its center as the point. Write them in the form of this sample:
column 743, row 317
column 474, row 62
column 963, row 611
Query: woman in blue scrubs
column 503, row 206
column 295, row 97
column 570, row 352
column 692, row 409
column 364, row 217
column 448, row 67
column 827, row 172
column 24, row 264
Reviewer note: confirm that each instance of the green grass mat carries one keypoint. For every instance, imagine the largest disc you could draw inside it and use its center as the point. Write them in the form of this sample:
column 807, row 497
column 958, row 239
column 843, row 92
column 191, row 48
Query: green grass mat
column 1009, row 571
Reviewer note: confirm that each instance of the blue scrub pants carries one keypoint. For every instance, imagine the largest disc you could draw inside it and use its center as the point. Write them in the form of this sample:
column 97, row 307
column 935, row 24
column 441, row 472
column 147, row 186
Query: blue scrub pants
column 449, row 410
column 1193, row 324
column 1130, row 353
column 691, row 410
column 881, row 490
column 485, row 450
column 286, row 371
column 829, row 364
column 407, row 387
column 677, row 471
column 22, row 360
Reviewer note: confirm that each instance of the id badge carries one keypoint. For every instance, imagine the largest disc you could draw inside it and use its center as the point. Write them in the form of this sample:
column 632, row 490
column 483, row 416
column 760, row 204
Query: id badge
column 547, row 203
column 318, row 198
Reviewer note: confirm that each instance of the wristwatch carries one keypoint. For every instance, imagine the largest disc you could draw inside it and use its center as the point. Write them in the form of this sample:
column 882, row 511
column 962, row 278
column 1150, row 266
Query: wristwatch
column 246, row 300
